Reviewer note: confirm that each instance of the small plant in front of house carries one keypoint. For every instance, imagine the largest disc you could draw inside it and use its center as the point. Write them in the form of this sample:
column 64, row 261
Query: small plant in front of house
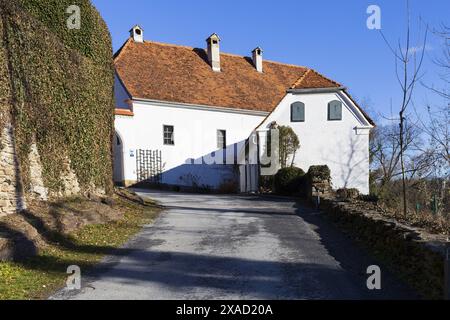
column 289, row 144
column 266, row 184
column 289, row 180
column 319, row 173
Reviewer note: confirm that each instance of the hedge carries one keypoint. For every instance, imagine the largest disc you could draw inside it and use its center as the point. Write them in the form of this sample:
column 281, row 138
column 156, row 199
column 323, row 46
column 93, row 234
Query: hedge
column 288, row 180
column 59, row 91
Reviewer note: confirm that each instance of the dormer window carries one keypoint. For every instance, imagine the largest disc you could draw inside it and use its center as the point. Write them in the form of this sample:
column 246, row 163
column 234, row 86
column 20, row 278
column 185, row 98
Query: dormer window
column 335, row 110
column 298, row 112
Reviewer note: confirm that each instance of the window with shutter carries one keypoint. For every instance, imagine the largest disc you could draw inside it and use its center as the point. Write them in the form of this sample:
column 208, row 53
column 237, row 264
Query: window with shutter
column 297, row 112
column 335, row 110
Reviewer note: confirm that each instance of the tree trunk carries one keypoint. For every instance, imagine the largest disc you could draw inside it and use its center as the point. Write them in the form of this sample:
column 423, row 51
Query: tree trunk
column 402, row 164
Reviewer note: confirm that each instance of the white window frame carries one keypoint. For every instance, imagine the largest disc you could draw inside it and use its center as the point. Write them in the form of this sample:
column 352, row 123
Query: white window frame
column 221, row 133
column 172, row 138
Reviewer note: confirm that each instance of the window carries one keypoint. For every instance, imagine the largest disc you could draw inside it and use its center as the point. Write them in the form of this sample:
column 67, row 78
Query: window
column 168, row 135
column 335, row 110
column 221, row 139
column 297, row 112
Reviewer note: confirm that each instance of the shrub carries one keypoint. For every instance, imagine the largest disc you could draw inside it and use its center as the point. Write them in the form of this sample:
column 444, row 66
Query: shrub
column 266, row 184
column 319, row 173
column 58, row 85
column 289, row 144
column 288, row 180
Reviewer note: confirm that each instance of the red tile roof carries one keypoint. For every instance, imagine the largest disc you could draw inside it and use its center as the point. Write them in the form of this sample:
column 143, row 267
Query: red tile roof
column 174, row 73
column 123, row 112
column 312, row 79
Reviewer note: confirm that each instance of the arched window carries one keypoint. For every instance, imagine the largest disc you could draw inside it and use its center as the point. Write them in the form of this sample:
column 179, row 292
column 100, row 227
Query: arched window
column 335, row 110
column 297, row 112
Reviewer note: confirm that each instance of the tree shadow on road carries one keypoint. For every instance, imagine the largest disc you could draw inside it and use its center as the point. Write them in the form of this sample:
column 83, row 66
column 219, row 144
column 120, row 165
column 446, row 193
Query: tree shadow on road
column 352, row 255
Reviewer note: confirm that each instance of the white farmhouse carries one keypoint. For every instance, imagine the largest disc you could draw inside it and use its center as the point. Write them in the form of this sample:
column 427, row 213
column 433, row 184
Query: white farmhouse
column 178, row 108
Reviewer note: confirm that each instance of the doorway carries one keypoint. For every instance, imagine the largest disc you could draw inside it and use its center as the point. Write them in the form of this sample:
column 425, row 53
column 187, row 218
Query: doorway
column 118, row 160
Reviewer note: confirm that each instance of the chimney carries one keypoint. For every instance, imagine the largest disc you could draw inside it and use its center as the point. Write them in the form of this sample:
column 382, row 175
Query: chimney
column 137, row 33
column 257, row 59
column 214, row 52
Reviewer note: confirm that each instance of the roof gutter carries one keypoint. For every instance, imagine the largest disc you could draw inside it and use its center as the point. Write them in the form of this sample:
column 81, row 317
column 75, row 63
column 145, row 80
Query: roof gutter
column 200, row 107
column 316, row 90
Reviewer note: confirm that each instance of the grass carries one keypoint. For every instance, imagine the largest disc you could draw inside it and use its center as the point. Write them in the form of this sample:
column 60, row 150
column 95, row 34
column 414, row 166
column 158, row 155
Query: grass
column 39, row 276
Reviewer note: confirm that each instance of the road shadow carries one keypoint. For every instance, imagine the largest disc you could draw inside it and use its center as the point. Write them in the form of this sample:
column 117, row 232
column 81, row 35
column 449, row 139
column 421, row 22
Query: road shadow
column 184, row 273
column 353, row 256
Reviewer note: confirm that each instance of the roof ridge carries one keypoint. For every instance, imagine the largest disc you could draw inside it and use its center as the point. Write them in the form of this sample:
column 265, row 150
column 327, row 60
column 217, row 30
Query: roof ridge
column 299, row 80
column 117, row 54
column 169, row 44
column 321, row 75
column 121, row 49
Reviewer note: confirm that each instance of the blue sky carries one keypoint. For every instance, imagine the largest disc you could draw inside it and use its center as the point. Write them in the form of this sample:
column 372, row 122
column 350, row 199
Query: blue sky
column 330, row 36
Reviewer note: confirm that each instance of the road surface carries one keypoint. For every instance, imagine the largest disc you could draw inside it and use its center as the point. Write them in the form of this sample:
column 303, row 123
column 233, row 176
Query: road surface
column 235, row 247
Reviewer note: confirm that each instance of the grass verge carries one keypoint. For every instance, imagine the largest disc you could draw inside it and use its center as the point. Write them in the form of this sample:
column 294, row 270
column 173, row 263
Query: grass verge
column 39, row 276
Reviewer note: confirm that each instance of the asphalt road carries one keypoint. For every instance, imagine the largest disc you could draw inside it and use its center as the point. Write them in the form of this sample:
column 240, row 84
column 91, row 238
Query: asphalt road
column 235, row 247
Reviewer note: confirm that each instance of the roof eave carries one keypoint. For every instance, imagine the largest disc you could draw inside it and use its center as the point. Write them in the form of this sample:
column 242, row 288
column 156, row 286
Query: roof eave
column 316, row 90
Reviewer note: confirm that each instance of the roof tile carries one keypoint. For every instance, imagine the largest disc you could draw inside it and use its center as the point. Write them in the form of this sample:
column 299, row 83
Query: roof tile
column 157, row 71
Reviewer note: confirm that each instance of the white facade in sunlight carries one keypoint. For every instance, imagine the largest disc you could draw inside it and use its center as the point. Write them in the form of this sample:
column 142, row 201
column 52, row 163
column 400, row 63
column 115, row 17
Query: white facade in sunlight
column 198, row 118
column 195, row 135
column 340, row 144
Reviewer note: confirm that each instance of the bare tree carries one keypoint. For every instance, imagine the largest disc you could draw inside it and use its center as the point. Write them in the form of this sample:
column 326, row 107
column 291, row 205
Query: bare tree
column 385, row 153
column 437, row 124
column 437, row 128
column 443, row 62
column 289, row 144
column 408, row 63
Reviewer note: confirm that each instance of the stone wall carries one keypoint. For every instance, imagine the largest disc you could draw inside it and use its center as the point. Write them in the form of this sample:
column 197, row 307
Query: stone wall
column 37, row 187
column 417, row 256
column 11, row 196
column 13, row 193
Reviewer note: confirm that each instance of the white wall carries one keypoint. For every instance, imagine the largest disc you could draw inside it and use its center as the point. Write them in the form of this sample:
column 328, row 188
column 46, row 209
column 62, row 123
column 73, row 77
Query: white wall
column 334, row 143
column 195, row 132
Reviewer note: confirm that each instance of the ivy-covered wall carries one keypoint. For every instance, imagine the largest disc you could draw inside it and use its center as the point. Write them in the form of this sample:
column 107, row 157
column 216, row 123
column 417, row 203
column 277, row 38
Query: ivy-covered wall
column 56, row 89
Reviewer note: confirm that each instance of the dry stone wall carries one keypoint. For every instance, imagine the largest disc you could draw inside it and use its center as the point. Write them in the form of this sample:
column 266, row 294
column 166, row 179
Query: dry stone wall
column 11, row 197
column 417, row 256
column 37, row 187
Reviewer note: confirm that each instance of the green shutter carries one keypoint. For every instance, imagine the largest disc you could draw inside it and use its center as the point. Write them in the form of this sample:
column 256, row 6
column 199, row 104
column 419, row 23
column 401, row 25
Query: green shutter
column 297, row 112
column 335, row 110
